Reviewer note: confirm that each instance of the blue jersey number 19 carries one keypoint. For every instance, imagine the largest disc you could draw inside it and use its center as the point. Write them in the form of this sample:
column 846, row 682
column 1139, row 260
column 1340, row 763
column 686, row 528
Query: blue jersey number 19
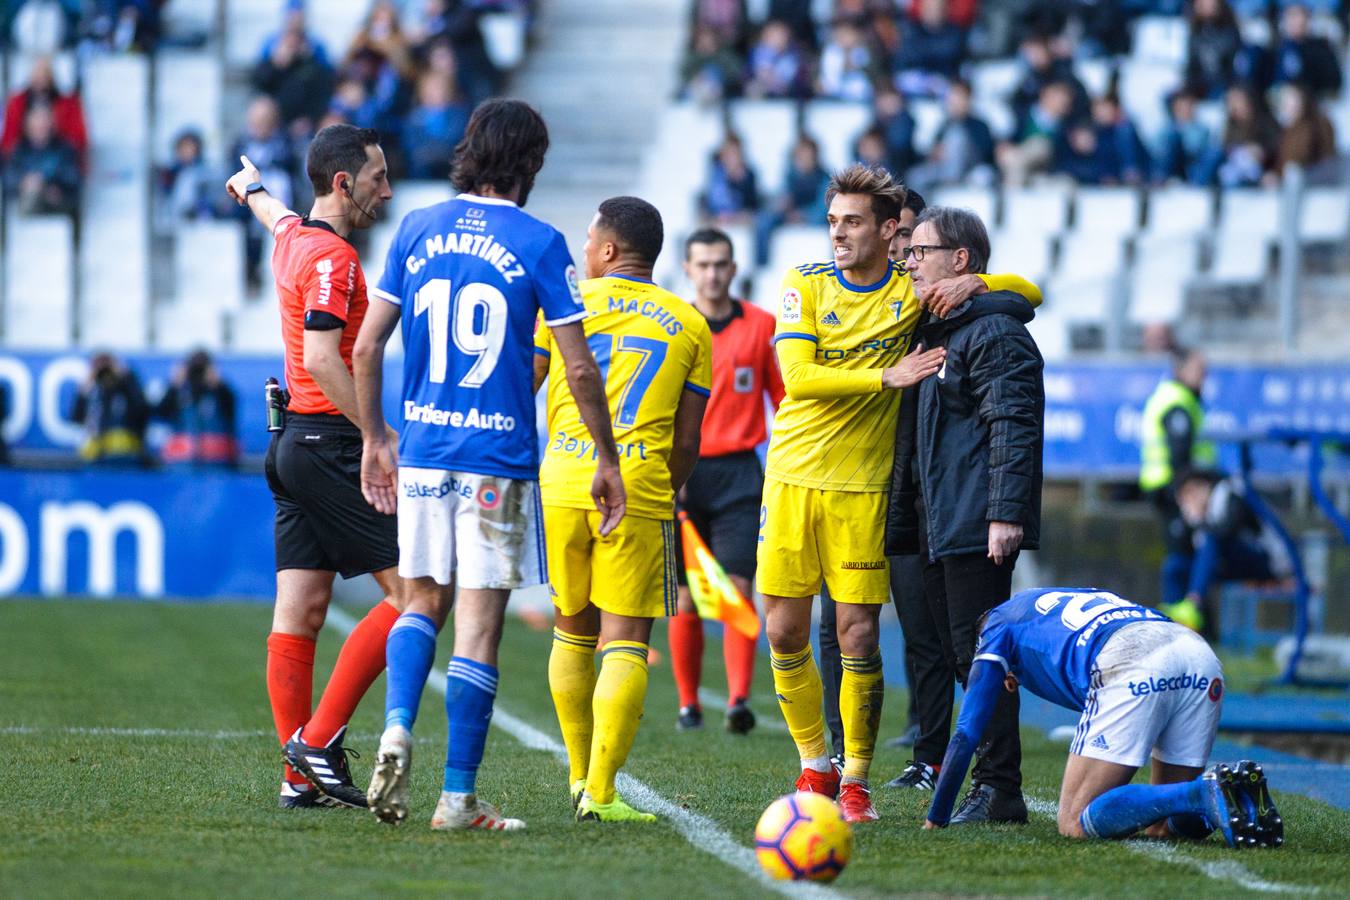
column 479, row 336
column 653, row 353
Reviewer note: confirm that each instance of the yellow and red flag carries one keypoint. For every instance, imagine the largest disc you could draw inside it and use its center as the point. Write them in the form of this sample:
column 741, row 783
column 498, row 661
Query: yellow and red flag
column 713, row 593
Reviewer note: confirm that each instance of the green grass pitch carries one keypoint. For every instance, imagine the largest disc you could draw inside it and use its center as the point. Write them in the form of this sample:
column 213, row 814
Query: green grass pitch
column 94, row 803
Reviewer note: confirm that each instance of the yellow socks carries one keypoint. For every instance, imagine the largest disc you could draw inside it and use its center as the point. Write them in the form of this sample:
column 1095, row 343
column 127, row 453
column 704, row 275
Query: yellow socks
column 861, row 691
column 619, row 693
column 797, row 682
column 571, row 679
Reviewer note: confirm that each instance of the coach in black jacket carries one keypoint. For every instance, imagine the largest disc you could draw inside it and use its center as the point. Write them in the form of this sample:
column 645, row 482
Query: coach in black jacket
column 966, row 490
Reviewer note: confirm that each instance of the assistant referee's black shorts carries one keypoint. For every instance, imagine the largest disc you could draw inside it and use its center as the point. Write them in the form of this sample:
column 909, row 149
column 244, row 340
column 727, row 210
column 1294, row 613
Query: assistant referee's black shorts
column 314, row 470
column 723, row 499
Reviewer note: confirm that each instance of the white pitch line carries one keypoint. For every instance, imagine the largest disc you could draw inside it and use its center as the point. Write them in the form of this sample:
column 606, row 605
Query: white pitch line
column 1220, row 870
column 700, row 831
column 109, row 731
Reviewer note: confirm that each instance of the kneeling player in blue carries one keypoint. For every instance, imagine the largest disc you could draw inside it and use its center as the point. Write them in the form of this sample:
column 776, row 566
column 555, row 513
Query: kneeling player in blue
column 1146, row 686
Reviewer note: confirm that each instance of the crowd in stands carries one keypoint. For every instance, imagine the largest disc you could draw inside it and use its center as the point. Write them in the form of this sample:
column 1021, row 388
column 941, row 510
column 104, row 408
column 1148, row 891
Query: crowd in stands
column 43, row 145
column 892, row 54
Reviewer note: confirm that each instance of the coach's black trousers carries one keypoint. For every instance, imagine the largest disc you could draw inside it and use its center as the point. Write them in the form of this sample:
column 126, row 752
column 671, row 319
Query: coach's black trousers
column 960, row 589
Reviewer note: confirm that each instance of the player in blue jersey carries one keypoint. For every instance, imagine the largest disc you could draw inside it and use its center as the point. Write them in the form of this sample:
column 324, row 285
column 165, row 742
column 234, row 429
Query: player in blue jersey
column 468, row 278
column 1145, row 686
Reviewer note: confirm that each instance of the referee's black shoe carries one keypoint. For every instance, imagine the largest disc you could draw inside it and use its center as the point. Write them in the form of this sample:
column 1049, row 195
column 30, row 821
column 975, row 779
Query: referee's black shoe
column 986, row 803
column 326, row 768
column 739, row 720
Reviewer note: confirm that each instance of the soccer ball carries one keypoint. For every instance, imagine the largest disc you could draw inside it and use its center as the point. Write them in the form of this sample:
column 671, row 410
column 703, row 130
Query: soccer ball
column 803, row 836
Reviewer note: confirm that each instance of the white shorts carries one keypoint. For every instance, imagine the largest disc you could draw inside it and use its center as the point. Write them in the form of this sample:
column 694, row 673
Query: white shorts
column 483, row 531
column 1158, row 687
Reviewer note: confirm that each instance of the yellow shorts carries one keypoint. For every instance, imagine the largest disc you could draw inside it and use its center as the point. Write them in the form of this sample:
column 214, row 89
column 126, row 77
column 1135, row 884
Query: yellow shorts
column 629, row 572
column 807, row 534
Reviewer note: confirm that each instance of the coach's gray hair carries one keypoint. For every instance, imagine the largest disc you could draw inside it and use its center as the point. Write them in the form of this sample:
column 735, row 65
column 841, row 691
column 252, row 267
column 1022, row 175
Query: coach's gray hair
column 959, row 229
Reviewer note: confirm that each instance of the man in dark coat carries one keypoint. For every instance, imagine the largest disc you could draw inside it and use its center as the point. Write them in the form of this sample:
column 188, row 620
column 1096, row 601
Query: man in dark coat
column 966, row 492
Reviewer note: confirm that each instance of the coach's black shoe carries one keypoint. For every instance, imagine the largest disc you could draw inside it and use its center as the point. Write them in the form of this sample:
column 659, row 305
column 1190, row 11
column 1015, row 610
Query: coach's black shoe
column 326, row 768
column 987, row 804
column 907, row 739
column 691, row 718
column 740, row 720
column 1266, row 825
column 837, row 762
column 917, row 775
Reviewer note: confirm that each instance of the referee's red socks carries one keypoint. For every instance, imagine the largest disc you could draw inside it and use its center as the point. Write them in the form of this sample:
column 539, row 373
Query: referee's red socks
column 686, row 655
column 739, row 653
column 358, row 665
column 290, row 687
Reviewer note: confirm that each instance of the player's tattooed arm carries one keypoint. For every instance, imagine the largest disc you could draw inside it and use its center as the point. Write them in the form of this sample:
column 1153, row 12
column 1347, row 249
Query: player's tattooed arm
column 265, row 208
column 379, row 452
column 588, row 390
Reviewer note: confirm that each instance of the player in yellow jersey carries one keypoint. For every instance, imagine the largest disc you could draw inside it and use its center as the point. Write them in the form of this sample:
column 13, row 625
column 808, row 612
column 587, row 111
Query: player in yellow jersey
column 655, row 352
column 844, row 329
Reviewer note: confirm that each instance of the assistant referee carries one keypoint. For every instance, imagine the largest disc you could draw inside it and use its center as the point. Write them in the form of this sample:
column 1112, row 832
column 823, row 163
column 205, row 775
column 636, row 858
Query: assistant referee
column 723, row 496
column 323, row 524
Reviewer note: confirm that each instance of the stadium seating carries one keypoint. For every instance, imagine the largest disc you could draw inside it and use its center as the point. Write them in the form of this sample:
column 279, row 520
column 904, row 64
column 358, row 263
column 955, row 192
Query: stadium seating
column 39, row 277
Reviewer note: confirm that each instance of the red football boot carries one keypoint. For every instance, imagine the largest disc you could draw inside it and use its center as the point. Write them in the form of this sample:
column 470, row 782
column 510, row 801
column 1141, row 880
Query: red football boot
column 856, row 802
column 826, row 783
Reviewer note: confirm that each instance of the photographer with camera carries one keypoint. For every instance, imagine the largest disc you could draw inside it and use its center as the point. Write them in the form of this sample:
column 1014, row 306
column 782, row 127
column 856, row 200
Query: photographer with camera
column 200, row 410
column 111, row 406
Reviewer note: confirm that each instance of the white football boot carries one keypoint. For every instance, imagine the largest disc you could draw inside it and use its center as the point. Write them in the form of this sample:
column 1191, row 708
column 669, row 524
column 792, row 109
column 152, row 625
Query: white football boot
column 388, row 792
column 457, row 812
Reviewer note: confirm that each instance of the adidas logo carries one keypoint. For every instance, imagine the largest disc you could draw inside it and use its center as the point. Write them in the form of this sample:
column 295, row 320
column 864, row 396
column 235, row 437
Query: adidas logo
column 1100, row 743
column 830, row 319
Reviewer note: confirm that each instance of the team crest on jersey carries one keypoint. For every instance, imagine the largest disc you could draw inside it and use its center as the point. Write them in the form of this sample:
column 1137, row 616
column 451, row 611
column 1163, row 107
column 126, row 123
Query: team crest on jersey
column 488, row 497
column 792, row 306
column 572, row 284
column 744, row 382
column 895, row 308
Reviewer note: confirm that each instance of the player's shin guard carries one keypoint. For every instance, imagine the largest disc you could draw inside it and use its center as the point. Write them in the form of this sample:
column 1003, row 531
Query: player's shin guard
column 738, row 651
column 470, row 690
column 797, row 683
column 1122, row 811
column 358, row 665
column 408, row 654
column 861, row 691
column 620, row 691
column 290, row 687
column 571, row 679
column 686, row 655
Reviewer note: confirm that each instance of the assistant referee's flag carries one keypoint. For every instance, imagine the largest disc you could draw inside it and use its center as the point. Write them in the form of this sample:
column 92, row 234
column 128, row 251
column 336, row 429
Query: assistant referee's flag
column 714, row 594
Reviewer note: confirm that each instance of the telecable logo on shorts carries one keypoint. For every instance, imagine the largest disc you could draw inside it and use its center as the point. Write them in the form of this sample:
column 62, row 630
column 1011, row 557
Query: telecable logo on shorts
column 437, row 491
column 1187, row 682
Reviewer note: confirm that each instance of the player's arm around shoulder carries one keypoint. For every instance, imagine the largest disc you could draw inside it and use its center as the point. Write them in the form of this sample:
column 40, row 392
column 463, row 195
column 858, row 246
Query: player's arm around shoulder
column 952, row 292
column 588, row 390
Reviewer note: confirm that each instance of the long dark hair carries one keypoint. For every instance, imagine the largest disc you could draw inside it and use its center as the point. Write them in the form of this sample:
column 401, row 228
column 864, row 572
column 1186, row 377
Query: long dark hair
column 503, row 149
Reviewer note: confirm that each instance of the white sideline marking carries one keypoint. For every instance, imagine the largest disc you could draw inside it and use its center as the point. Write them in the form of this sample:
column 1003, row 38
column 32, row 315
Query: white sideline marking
column 108, row 731
column 1221, row 870
column 700, row 831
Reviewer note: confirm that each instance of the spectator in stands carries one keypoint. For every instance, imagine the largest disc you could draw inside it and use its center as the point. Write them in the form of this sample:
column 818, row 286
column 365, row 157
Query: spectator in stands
column 1033, row 150
column 434, row 126
column 1304, row 58
column 381, row 53
column 296, row 77
column 1101, row 27
column 963, row 150
column 455, row 23
column 897, row 128
column 111, row 406
column 123, row 25
column 272, row 152
column 711, row 70
column 727, row 19
column 1308, row 139
column 1189, row 151
column 732, row 195
column 199, row 408
column 1213, row 48
column 777, row 66
column 43, row 172
column 1044, row 66
column 870, row 149
column 802, row 200
column 932, row 47
column 1124, row 158
column 41, row 90
column 293, row 22
column 39, row 27
column 1250, row 136
column 189, row 185
column 796, row 14
column 847, row 67
column 1078, row 156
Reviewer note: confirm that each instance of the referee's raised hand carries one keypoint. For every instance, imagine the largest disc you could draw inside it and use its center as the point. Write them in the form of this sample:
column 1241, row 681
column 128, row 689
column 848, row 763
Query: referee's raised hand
column 240, row 180
column 379, row 472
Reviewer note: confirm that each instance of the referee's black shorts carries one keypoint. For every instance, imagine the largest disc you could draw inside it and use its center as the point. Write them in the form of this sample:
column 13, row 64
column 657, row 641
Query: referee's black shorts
column 314, row 470
column 723, row 499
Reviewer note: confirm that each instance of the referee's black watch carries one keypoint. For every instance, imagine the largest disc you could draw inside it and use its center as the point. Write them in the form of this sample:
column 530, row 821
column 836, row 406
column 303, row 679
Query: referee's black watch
column 254, row 188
